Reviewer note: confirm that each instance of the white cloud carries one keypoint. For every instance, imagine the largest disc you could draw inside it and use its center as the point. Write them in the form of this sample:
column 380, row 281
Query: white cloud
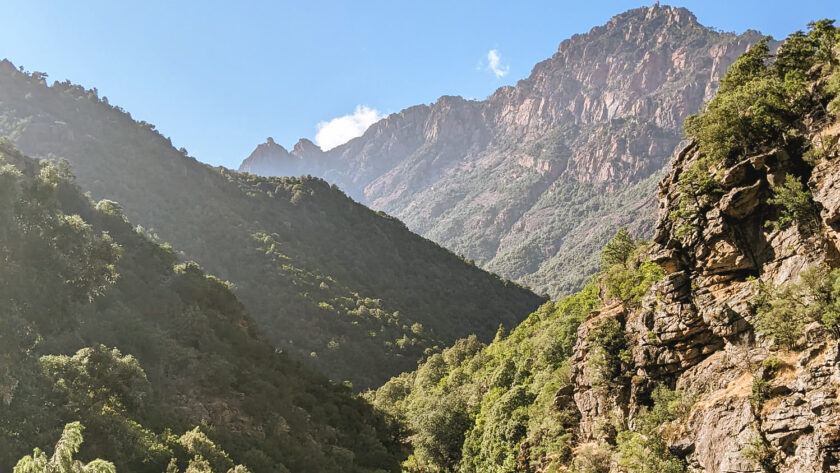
column 494, row 63
column 343, row 129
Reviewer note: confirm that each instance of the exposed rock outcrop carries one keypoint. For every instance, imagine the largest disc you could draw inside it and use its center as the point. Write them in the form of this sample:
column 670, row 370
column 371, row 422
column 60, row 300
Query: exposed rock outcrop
column 695, row 328
column 532, row 181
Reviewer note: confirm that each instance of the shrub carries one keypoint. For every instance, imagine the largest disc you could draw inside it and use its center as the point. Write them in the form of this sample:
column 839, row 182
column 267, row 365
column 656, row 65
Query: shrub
column 644, row 450
column 759, row 393
column 794, row 204
column 623, row 275
column 608, row 353
column 758, row 452
column 780, row 315
column 592, row 458
column 783, row 311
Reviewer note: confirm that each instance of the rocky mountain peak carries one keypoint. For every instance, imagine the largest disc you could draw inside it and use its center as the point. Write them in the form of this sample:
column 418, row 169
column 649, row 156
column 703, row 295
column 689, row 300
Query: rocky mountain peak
column 493, row 179
column 268, row 155
column 305, row 148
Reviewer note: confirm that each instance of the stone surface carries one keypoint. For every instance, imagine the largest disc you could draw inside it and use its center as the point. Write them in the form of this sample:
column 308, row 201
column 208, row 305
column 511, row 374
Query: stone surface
column 532, row 181
column 694, row 331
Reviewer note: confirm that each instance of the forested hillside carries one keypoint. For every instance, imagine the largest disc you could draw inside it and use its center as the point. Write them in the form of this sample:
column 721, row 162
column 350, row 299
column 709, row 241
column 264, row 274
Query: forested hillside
column 712, row 348
column 328, row 280
column 101, row 326
column 532, row 181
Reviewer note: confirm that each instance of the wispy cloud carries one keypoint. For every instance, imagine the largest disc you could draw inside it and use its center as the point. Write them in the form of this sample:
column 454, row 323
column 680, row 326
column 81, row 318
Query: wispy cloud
column 342, row 129
column 494, row 63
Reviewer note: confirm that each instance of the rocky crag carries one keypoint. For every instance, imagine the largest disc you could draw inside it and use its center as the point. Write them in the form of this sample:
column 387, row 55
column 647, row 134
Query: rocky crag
column 713, row 347
column 531, row 182
column 739, row 277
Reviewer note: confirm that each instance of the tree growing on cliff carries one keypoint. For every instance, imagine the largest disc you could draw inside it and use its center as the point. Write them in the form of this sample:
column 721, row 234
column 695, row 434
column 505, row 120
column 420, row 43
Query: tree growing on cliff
column 62, row 460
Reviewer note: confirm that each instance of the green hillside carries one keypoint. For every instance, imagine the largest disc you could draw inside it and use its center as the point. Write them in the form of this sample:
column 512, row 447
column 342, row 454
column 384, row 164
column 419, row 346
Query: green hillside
column 327, row 279
column 102, row 326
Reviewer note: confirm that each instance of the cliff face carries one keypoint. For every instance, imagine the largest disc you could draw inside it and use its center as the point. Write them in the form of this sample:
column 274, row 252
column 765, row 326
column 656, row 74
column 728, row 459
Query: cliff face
column 713, row 347
column 696, row 327
column 532, row 181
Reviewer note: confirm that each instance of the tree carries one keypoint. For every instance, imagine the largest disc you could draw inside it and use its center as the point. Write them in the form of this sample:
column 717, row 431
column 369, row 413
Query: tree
column 98, row 377
column 62, row 459
column 795, row 205
column 618, row 250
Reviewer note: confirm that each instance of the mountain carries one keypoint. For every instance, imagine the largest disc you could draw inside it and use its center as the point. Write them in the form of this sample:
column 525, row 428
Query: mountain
column 715, row 347
column 351, row 291
column 531, row 182
column 99, row 325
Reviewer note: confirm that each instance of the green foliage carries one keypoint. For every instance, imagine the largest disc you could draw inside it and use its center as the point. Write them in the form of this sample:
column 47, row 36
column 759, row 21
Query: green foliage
column 643, row 450
column 697, row 185
column 618, row 250
column 207, row 456
column 794, row 204
column 96, row 378
column 202, row 356
column 608, row 354
column 750, row 112
column 315, row 269
column 631, row 282
column 760, row 106
column 780, row 315
column 593, row 458
column 471, row 407
column 502, row 408
column 759, row 392
column 783, row 311
column 62, row 460
column 639, row 453
column 758, row 452
column 668, row 405
column 624, row 275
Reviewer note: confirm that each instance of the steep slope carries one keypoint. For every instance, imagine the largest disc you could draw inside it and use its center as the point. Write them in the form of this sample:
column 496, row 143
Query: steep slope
column 713, row 348
column 100, row 325
column 327, row 279
column 531, row 182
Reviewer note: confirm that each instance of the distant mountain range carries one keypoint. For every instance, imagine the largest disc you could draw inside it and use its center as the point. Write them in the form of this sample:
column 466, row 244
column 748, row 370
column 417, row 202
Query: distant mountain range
column 348, row 290
column 532, row 181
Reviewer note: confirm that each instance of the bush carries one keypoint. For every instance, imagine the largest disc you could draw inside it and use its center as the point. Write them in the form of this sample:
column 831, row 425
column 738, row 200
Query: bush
column 644, row 450
column 780, row 315
column 697, row 185
column 638, row 453
column 608, row 355
column 758, row 452
column 795, row 205
column 759, row 393
column 624, row 275
column 750, row 111
column 592, row 458
column 783, row 311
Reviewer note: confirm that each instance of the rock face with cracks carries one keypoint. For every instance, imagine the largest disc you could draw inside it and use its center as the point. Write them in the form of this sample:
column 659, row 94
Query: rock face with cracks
column 694, row 330
column 531, row 182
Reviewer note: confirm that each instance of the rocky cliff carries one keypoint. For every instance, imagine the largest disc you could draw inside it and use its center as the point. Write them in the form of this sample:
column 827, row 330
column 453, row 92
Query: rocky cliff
column 532, row 181
column 742, row 320
column 713, row 347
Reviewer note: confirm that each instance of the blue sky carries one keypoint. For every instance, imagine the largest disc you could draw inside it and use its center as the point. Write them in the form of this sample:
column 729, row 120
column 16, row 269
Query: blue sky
column 219, row 77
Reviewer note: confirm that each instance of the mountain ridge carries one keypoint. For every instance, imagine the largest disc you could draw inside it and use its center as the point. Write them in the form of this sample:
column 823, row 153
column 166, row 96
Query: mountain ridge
column 483, row 178
column 347, row 289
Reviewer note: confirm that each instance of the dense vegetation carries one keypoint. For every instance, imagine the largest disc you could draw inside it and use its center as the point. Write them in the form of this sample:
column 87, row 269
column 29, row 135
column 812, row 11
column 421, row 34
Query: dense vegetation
column 765, row 102
column 153, row 357
column 328, row 280
column 507, row 406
